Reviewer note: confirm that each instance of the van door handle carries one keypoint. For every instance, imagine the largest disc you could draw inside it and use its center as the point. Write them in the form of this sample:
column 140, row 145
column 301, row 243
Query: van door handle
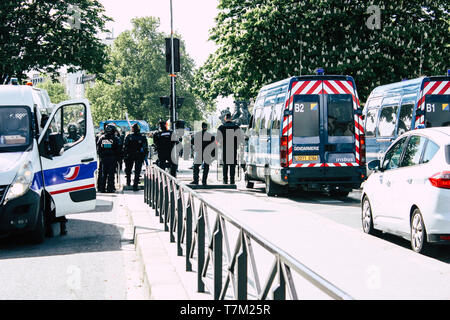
column 87, row 160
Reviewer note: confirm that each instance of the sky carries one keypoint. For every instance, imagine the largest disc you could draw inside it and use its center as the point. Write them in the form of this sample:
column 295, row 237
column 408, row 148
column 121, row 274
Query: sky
column 193, row 19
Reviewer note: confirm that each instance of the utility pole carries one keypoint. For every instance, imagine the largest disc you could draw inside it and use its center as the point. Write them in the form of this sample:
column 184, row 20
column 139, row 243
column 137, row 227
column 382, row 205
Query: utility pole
column 173, row 104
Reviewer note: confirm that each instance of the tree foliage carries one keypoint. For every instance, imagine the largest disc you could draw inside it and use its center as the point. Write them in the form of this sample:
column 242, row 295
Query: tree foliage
column 138, row 63
column 55, row 90
column 45, row 35
column 263, row 41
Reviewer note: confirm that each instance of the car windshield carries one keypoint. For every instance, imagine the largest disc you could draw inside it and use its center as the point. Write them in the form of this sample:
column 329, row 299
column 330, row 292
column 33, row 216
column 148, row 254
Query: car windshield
column 437, row 111
column 15, row 128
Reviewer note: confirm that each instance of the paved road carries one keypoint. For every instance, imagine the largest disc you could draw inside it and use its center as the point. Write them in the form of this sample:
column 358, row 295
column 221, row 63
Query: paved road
column 95, row 261
column 325, row 234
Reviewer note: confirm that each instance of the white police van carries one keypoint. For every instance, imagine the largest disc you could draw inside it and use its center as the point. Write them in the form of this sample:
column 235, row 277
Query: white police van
column 44, row 174
column 396, row 108
column 306, row 132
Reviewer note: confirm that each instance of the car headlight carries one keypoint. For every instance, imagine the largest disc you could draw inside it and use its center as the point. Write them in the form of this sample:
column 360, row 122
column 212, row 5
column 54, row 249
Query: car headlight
column 22, row 182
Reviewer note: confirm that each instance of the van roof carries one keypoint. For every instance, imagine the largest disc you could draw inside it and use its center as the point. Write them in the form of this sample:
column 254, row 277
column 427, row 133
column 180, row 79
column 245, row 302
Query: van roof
column 407, row 85
column 286, row 82
column 16, row 95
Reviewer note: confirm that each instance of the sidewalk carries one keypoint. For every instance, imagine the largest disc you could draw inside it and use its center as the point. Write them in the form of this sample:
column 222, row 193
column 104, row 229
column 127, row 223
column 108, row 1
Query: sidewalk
column 163, row 271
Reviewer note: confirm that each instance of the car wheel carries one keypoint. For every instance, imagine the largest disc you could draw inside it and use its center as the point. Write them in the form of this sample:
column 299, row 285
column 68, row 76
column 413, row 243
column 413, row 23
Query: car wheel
column 37, row 236
column 418, row 232
column 367, row 218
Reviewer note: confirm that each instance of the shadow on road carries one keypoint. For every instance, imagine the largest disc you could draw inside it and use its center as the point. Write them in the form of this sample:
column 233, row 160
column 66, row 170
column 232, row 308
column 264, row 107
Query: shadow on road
column 83, row 237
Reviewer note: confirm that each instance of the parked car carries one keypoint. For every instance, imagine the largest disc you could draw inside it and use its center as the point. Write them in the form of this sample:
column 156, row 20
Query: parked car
column 409, row 192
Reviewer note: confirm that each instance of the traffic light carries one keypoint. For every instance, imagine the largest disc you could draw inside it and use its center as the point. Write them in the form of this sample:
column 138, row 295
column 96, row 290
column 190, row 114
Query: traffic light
column 176, row 50
column 167, row 101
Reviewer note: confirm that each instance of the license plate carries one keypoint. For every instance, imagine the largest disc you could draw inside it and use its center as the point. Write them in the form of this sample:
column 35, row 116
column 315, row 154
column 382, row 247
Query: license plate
column 306, row 158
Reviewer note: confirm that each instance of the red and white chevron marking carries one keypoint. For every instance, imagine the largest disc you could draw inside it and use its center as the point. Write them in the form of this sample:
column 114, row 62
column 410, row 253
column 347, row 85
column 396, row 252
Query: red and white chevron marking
column 325, row 165
column 431, row 88
column 322, row 87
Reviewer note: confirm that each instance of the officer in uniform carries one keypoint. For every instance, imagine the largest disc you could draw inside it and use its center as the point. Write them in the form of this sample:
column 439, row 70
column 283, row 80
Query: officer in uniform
column 108, row 150
column 200, row 141
column 135, row 151
column 165, row 143
column 229, row 160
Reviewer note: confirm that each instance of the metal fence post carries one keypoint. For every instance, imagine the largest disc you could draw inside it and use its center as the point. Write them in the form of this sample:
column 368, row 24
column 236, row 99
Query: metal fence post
column 279, row 293
column 200, row 251
column 242, row 269
column 172, row 211
column 166, row 204
column 180, row 222
column 218, row 259
column 189, row 234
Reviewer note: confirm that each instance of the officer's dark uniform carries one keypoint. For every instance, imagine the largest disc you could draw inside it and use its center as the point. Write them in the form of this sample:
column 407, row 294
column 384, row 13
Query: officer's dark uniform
column 135, row 150
column 165, row 143
column 108, row 149
column 73, row 135
column 203, row 139
column 229, row 161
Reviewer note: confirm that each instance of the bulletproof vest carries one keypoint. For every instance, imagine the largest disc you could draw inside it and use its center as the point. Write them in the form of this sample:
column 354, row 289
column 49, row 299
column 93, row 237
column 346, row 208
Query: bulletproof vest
column 164, row 143
column 136, row 144
column 108, row 145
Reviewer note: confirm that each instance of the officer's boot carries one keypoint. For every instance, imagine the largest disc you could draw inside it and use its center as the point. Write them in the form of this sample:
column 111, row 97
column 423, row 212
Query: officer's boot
column 63, row 228
column 128, row 181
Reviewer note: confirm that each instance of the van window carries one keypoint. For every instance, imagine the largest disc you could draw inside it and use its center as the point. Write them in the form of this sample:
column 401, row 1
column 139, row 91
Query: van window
column 276, row 116
column 340, row 115
column 258, row 115
column 388, row 121
column 15, row 129
column 413, row 151
column 405, row 119
column 392, row 158
column 437, row 109
column 74, row 124
column 430, row 151
column 371, row 122
column 306, row 116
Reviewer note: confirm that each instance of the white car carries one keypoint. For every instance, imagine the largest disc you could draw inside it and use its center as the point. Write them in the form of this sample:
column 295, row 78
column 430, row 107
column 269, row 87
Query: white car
column 409, row 192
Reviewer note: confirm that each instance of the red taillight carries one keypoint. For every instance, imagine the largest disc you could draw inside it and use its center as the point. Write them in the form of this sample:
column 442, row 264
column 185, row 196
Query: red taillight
column 284, row 152
column 445, row 238
column 441, row 180
column 362, row 150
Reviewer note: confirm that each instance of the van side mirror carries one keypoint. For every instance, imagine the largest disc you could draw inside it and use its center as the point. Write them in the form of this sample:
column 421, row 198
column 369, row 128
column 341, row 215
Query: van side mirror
column 374, row 165
column 420, row 112
column 56, row 144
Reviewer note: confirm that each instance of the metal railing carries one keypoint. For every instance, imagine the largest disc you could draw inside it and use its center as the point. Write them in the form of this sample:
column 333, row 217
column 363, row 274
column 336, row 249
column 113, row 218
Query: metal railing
column 173, row 202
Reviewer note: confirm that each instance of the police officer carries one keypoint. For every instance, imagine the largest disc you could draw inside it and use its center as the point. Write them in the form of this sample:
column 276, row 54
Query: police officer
column 135, row 151
column 108, row 150
column 73, row 135
column 165, row 143
column 200, row 141
column 229, row 140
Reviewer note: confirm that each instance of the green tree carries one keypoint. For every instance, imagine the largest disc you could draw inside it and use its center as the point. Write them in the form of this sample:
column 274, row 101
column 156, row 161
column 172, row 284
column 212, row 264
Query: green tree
column 55, row 90
column 45, row 35
column 263, row 41
column 137, row 62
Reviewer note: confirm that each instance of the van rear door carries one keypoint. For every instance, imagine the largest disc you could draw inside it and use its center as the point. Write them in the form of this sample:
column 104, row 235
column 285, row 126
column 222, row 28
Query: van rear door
column 307, row 130
column 435, row 103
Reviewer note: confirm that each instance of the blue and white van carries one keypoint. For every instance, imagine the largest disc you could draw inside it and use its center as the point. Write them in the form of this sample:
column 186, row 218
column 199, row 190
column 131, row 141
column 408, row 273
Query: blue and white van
column 44, row 172
column 396, row 108
column 306, row 132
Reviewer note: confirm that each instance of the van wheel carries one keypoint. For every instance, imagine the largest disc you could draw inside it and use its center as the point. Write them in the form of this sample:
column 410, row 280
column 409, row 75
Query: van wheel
column 367, row 218
column 248, row 184
column 418, row 233
column 273, row 189
column 37, row 236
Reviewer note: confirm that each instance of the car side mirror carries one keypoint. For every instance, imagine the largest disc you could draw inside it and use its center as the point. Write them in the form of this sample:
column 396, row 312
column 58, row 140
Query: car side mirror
column 374, row 165
column 56, row 143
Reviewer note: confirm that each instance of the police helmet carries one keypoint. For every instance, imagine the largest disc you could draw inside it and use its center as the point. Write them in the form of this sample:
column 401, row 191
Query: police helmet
column 72, row 128
column 110, row 129
column 136, row 128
